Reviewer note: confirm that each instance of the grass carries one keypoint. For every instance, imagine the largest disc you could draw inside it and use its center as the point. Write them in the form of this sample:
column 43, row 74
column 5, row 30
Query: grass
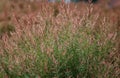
column 60, row 41
column 74, row 62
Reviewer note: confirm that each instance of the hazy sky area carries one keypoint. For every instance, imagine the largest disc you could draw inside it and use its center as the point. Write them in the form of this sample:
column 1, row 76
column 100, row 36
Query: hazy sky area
column 68, row 1
column 111, row 3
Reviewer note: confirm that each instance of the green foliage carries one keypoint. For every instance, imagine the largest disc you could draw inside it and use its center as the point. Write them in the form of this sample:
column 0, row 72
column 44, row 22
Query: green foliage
column 78, row 59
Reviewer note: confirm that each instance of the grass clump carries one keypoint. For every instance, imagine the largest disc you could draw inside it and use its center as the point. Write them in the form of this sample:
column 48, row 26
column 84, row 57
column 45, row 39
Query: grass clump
column 55, row 48
column 76, row 57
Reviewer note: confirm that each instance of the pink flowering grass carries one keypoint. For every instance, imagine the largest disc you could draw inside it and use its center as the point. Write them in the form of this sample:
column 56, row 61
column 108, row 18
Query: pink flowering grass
column 61, row 41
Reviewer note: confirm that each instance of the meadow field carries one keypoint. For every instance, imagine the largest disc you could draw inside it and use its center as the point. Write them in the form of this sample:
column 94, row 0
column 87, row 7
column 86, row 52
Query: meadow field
column 58, row 40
